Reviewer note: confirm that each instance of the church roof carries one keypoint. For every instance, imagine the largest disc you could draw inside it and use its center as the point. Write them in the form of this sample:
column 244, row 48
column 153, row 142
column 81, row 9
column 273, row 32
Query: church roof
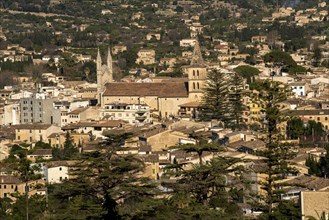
column 164, row 89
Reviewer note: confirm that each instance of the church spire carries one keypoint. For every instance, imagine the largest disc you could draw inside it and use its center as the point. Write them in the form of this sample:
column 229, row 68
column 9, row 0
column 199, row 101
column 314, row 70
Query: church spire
column 99, row 59
column 109, row 60
column 197, row 56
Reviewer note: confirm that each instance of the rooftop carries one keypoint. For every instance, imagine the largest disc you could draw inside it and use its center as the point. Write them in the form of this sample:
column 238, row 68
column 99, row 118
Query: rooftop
column 164, row 89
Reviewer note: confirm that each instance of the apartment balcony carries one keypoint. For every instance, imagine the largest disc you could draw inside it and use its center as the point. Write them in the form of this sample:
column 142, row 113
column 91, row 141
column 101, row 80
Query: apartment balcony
column 140, row 118
column 141, row 111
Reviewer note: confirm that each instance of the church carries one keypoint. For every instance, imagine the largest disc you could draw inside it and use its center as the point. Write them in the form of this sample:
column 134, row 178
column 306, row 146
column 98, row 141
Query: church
column 164, row 98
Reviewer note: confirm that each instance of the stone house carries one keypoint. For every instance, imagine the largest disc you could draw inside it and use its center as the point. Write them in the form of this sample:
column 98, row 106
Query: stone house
column 31, row 133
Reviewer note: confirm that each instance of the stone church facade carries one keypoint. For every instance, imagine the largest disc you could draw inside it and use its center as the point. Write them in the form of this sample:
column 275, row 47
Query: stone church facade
column 164, row 98
column 104, row 73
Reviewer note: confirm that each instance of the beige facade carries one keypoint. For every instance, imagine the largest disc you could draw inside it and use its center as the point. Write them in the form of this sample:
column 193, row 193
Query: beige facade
column 10, row 114
column 138, row 114
column 31, row 133
column 58, row 139
column 146, row 57
column 153, row 36
column 318, row 115
column 10, row 185
column 163, row 98
column 259, row 39
column 166, row 106
column 314, row 203
column 82, row 115
column 119, row 49
column 197, row 76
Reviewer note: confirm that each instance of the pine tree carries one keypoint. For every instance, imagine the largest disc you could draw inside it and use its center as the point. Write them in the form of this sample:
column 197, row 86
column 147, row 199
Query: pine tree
column 277, row 153
column 324, row 164
column 314, row 167
column 235, row 98
column 295, row 128
column 106, row 186
column 216, row 98
column 69, row 150
column 203, row 192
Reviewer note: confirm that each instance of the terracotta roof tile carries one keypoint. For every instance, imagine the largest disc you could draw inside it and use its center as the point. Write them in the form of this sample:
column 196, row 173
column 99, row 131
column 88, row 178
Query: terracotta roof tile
column 169, row 89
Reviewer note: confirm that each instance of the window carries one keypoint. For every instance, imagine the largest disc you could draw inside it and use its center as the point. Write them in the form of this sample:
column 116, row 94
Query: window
column 5, row 186
column 60, row 168
column 60, row 178
column 318, row 118
column 326, row 118
column 193, row 85
column 30, row 130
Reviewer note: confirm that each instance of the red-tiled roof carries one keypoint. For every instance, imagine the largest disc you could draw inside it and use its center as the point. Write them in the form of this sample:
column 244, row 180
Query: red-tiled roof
column 168, row 89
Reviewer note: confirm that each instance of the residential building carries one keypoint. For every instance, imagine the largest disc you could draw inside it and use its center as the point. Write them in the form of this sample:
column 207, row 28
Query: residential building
column 31, row 133
column 133, row 113
column 57, row 171
column 43, row 154
column 318, row 115
column 119, row 49
column 146, row 57
column 82, row 115
column 299, row 88
column 259, row 39
column 9, row 113
column 12, row 184
column 38, row 109
column 187, row 42
column 151, row 36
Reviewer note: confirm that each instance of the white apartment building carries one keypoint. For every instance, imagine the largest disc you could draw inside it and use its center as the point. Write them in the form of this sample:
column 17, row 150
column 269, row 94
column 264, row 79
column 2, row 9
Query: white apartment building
column 138, row 114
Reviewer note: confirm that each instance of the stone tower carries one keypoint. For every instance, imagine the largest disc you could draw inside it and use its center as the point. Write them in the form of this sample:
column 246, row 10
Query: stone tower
column 104, row 73
column 197, row 74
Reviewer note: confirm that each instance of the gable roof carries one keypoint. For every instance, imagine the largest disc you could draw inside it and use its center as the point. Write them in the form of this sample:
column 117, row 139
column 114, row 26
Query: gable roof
column 37, row 126
column 164, row 89
column 41, row 152
column 324, row 112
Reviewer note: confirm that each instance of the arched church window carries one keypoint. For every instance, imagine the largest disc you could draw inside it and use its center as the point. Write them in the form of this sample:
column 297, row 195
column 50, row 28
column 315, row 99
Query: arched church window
column 193, row 85
column 193, row 73
column 197, row 73
column 198, row 86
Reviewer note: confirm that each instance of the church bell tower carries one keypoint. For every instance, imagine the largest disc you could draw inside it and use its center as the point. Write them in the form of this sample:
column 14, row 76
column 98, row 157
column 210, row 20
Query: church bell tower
column 197, row 74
